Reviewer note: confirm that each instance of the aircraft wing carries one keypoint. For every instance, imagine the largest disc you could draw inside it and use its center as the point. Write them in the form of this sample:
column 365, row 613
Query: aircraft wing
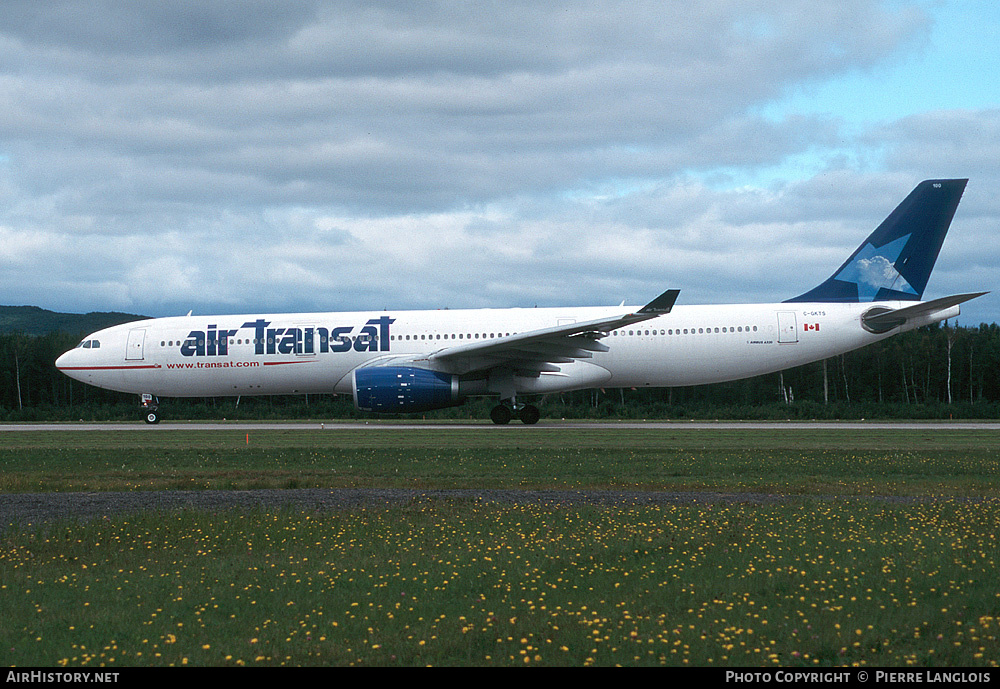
column 531, row 353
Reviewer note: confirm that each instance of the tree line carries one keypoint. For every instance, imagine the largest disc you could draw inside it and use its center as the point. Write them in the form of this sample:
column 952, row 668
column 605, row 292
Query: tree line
column 939, row 371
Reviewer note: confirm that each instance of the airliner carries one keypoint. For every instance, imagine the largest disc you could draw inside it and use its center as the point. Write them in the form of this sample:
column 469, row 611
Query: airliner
column 414, row 361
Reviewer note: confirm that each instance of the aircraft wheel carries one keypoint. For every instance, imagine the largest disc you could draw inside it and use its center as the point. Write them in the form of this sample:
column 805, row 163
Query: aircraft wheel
column 501, row 414
column 152, row 417
column 530, row 414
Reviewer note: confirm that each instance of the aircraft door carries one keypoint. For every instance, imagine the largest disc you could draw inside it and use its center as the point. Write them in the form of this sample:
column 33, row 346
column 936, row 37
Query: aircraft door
column 787, row 330
column 133, row 348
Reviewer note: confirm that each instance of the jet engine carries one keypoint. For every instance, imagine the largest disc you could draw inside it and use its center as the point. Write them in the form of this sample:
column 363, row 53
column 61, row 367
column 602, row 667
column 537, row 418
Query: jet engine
column 404, row 389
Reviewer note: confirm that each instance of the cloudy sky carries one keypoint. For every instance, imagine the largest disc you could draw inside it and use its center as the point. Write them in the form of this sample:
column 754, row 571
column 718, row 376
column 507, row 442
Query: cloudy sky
column 301, row 155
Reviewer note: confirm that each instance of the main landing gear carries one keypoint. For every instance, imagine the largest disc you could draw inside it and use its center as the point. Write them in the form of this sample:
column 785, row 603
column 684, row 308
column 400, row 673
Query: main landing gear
column 505, row 411
column 150, row 408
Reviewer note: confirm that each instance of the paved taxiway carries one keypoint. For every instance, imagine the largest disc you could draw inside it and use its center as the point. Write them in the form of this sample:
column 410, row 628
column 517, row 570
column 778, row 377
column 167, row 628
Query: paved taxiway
column 541, row 427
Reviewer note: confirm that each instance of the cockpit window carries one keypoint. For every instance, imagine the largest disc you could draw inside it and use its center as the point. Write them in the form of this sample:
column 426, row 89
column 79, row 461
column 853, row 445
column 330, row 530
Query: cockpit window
column 89, row 344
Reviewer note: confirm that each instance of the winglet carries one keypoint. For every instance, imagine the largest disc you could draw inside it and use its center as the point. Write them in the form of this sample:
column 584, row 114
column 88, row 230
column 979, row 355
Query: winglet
column 662, row 304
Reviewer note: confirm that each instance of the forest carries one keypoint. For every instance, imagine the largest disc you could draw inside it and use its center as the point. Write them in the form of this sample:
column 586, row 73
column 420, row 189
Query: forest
column 941, row 371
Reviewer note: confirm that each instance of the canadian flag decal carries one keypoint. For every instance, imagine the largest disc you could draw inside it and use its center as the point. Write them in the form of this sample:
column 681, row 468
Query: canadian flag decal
column 811, row 326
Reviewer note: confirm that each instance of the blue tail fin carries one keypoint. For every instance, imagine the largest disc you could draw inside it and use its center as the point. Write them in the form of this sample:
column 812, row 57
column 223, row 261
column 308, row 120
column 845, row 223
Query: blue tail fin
column 895, row 262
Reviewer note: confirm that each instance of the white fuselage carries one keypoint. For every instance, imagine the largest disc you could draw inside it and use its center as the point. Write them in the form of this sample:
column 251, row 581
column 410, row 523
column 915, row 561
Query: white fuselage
column 317, row 352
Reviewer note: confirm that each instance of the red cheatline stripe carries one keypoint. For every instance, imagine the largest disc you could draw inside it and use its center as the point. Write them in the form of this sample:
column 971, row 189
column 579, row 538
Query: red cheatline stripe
column 130, row 368
column 104, row 368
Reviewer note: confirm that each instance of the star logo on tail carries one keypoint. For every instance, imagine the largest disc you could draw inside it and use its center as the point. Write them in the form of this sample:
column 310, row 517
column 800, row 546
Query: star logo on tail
column 875, row 268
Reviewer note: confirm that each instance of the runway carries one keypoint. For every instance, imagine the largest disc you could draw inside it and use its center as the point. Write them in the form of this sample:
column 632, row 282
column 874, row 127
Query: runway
column 541, row 427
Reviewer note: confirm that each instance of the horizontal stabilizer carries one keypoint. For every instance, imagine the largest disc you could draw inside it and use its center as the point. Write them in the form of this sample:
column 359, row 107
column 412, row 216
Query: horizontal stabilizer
column 883, row 320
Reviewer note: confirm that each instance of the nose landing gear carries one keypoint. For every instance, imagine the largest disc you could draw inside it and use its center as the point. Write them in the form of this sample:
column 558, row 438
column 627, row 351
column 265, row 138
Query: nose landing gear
column 150, row 408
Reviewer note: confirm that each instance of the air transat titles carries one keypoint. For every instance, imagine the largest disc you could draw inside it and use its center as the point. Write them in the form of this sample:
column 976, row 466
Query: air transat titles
column 214, row 341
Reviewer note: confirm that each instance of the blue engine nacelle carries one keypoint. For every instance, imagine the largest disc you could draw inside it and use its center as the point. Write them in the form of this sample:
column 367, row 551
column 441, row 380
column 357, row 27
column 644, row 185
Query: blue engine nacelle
column 403, row 389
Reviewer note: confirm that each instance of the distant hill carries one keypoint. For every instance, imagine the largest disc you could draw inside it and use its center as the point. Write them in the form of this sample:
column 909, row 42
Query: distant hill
column 33, row 320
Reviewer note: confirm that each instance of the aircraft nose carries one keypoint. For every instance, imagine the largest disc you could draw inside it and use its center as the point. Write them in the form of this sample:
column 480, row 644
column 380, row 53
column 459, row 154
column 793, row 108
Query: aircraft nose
column 68, row 363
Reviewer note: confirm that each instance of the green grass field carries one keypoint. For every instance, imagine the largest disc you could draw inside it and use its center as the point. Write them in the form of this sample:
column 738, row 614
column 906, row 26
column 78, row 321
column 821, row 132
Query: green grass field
column 961, row 463
column 835, row 574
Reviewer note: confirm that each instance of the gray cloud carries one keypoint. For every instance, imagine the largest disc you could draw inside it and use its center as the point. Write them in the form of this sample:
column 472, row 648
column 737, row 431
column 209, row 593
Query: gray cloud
column 312, row 155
